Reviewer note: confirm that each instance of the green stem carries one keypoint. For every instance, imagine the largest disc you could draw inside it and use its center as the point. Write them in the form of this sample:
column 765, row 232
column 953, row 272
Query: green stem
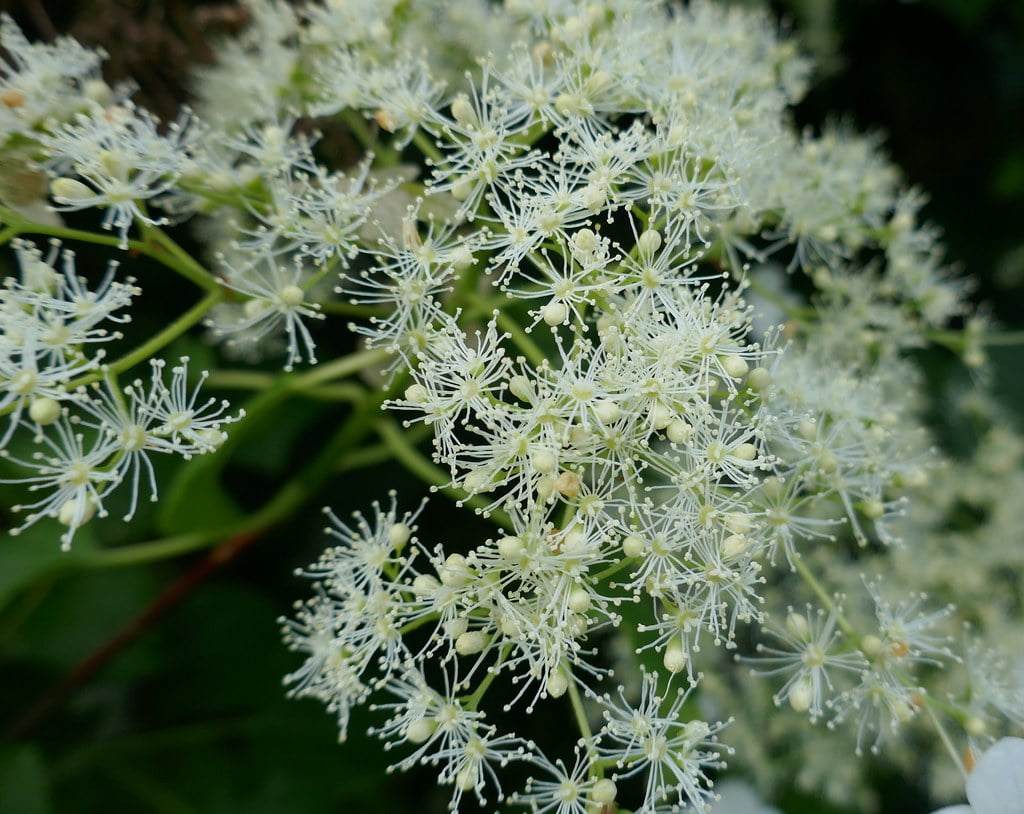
column 350, row 309
column 474, row 700
column 8, row 234
column 427, row 147
column 580, row 714
column 25, row 226
column 423, row 468
column 286, row 501
column 344, row 391
column 240, row 380
column 956, row 340
column 156, row 550
column 531, row 350
column 156, row 342
column 946, row 741
column 826, row 600
column 177, row 259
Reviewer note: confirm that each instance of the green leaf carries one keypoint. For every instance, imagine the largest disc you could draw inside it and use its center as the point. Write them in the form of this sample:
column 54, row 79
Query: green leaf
column 196, row 499
column 23, row 783
column 36, row 553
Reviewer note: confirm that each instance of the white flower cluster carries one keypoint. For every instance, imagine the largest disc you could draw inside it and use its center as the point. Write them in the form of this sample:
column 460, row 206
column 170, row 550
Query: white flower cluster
column 562, row 220
column 87, row 439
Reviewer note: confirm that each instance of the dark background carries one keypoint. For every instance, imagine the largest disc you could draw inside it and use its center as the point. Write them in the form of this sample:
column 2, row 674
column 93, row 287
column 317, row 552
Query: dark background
column 189, row 717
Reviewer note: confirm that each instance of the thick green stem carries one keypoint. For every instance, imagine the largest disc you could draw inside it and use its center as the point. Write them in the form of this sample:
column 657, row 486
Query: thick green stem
column 420, row 466
column 826, row 600
column 24, row 226
column 579, row 713
column 427, row 147
column 474, row 700
column 177, row 259
column 8, row 234
column 156, row 342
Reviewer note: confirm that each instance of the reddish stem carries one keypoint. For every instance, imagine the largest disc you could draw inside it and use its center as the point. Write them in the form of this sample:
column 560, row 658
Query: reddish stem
column 85, row 669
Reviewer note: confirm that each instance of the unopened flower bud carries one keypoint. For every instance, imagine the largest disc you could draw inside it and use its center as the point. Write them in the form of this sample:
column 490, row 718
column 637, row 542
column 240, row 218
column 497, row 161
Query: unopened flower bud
column 455, row 572
column 543, row 461
column 66, row 190
column 745, row 452
column 606, row 410
column 734, row 545
column 398, row 535
column 735, row 366
column 416, row 394
column 421, row 730
column 511, row 548
column 871, row 645
column 661, row 416
column 520, row 387
column 807, row 429
column 557, row 684
column 604, row 791
column 649, row 242
column 462, row 111
column 44, row 410
column 633, row 546
column 678, row 431
column 579, row 600
column 568, row 484
column 554, row 313
column 425, row 585
column 801, row 694
column 471, row 642
column 797, row 625
column 759, row 378
column 674, row 658
column 76, row 512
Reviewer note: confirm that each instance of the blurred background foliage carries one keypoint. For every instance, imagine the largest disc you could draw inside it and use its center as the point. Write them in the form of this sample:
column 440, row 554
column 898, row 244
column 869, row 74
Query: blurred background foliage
column 157, row 687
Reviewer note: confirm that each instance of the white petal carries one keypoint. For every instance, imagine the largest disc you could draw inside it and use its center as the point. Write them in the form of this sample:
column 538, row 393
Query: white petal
column 996, row 785
column 961, row 809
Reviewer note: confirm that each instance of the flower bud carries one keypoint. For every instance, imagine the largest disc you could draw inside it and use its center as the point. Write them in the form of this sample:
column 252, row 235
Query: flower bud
column 735, row 366
column 633, row 547
column 649, row 242
column 416, row 394
column 801, row 694
column 579, row 600
column 421, row 730
column 759, row 378
column 606, row 410
column 462, row 111
column 76, row 512
column 745, row 452
column 425, row 585
column 511, row 548
column 554, row 313
column 398, row 535
column 67, row 190
column 44, row 410
column 520, row 387
column 796, row 624
column 543, row 461
column 455, row 572
column 674, row 658
column 470, row 643
column 557, row 684
column 678, row 431
column 604, row 791
column 568, row 484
